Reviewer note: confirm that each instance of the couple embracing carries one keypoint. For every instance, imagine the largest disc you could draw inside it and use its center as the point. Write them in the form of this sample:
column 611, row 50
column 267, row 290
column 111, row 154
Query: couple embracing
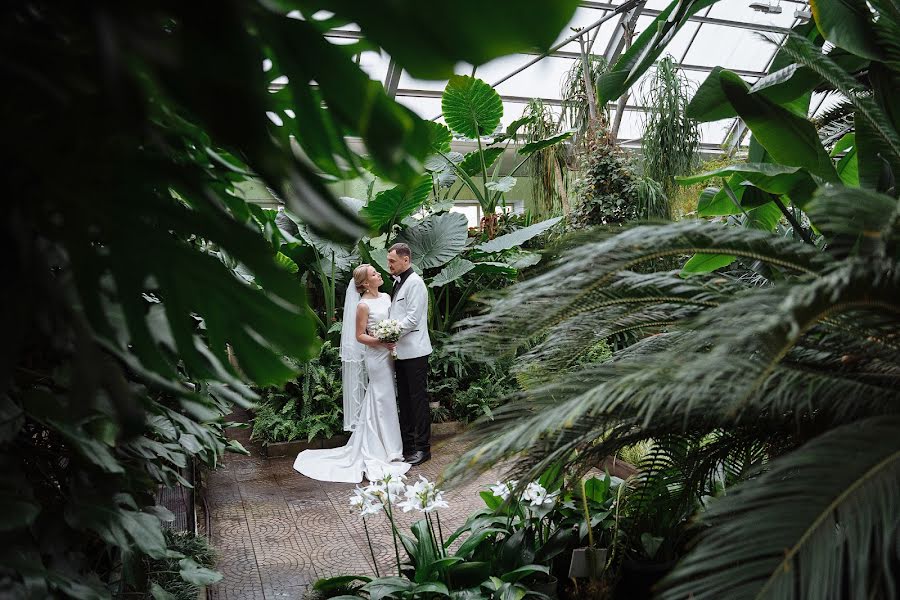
column 382, row 441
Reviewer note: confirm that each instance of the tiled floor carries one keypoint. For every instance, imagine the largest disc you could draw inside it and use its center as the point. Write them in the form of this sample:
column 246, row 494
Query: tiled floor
column 277, row 531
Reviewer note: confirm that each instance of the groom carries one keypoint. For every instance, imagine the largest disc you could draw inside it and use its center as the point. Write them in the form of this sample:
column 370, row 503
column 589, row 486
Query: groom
column 409, row 305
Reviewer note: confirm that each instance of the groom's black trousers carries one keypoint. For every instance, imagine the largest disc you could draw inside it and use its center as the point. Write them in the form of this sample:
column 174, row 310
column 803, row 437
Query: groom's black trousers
column 412, row 397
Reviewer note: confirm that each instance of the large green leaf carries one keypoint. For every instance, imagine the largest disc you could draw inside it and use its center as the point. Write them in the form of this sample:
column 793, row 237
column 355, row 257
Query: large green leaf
column 769, row 177
column 471, row 164
column 455, row 269
column 502, row 185
column 711, row 104
column 495, row 268
column 518, row 237
column 646, row 48
column 706, row 263
column 439, row 137
column 392, row 206
column 385, row 586
column 847, row 24
column 196, row 574
column 475, row 32
column 437, row 240
column 790, row 139
column 760, row 174
column 537, row 145
column 471, row 107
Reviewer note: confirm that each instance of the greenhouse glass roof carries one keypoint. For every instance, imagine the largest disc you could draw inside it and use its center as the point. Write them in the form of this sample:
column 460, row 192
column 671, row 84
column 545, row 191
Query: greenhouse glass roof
column 730, row 33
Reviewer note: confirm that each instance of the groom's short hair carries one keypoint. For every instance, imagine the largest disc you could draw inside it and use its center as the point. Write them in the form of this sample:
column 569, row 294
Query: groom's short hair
column 401, row 249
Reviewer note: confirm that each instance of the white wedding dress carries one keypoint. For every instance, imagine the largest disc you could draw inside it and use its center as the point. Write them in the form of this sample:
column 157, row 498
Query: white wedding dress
column 376, row 440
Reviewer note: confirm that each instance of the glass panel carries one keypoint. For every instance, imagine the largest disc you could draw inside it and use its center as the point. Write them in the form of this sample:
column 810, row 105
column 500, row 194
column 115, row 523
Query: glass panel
column 583, row 17
column 472, row 213
column 739, row 10
column 543, row 79
column 731, row 48
column 375, row 65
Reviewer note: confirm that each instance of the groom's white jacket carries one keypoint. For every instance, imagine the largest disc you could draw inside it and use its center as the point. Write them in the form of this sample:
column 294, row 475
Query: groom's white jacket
column 410, row 307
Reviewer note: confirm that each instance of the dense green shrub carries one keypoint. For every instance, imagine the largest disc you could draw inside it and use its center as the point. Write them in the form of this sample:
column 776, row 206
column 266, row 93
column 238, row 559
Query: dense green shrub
column 165, row 574
column 607, row 189
column 309, row 406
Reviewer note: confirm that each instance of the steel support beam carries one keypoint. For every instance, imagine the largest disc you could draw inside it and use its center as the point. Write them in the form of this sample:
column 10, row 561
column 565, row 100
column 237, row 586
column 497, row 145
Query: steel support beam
column 649, row 12
column 624, row 28
column 576, row 56
column 392, row 79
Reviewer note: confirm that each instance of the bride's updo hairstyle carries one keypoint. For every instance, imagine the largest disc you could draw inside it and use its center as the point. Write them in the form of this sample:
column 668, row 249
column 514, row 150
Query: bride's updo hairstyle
column 360, row 275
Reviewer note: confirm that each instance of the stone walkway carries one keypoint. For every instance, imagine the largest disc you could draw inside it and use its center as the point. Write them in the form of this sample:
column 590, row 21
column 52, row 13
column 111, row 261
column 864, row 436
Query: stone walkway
column 277, row 531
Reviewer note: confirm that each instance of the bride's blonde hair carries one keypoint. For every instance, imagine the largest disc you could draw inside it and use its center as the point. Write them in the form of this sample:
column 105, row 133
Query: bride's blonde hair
column 360, row 274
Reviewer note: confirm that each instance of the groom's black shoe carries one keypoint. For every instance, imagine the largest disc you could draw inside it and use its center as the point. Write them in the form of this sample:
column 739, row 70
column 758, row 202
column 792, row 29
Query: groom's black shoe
column 418, row 457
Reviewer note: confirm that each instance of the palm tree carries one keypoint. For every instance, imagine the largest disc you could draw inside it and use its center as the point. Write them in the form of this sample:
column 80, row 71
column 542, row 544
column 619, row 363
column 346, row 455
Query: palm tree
column 786, row 379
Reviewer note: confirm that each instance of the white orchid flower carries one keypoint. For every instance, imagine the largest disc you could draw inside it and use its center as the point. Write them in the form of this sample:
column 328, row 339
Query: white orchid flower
column 367, row 503
column 422, row 496
column 503, row 490
column 371, row 508
column 537, row 495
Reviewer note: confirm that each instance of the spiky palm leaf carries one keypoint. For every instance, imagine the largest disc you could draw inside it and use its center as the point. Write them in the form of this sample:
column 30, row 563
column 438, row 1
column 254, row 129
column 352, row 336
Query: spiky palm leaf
column 780, row 363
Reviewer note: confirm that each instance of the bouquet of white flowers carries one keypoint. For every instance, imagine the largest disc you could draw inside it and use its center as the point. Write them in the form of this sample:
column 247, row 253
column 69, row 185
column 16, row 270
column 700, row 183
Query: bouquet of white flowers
column 388, row 330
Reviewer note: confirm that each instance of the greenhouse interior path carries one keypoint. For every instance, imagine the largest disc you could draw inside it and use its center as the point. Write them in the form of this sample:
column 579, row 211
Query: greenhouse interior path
column 277, row 531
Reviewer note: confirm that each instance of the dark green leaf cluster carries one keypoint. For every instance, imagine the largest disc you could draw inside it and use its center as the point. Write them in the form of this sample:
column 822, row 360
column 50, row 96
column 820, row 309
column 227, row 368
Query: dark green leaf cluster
column 607, row 190
column 147, row 294
column 307, row 407
column 785, row 386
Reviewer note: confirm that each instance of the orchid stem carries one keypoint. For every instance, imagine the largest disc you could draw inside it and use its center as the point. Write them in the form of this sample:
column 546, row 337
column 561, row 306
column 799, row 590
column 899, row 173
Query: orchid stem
column 440, row 533
column 390, row 514
column 371, row 550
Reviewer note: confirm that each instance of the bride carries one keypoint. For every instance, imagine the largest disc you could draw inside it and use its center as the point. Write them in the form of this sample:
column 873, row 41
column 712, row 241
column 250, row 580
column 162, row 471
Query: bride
column 370, row 410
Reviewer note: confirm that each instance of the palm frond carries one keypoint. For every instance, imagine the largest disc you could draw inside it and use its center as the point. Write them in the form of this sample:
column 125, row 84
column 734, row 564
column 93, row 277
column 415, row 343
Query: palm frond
column 751, row 358
column 572, row 287
column 825, row 521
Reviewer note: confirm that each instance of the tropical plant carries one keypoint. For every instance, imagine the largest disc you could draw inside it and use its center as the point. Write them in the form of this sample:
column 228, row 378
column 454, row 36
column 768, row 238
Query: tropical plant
column 607, row 189
column 799, row 372
column 671, row 141
column 307, row 407
column 548, row 168
column 473, row 110
column 116, row 369
column 181, row 575
column 575, row 101
column 491, row 563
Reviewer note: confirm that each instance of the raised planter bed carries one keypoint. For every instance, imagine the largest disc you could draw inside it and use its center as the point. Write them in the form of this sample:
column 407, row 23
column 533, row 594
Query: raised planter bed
column 282, row 449
column 446, row 429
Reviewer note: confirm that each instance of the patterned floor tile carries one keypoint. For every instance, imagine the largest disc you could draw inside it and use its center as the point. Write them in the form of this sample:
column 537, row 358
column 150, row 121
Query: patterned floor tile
column 277, row 531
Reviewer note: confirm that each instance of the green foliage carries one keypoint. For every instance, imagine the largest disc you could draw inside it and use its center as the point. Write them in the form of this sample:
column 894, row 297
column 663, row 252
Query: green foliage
column 480, row 395
column 548, row 167
column 765, row 376
column 607, row 189
column 148, row 295
column 671, row 141
column 466, row 390
column 310, row 406
column 644, row 51
column 164, row 576
column 574, row 93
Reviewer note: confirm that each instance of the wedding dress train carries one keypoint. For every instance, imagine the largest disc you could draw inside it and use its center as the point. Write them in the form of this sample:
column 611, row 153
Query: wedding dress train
column 376, row 440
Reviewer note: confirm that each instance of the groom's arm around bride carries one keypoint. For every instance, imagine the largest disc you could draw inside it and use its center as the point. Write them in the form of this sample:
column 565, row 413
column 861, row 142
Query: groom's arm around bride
column 409, row 305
